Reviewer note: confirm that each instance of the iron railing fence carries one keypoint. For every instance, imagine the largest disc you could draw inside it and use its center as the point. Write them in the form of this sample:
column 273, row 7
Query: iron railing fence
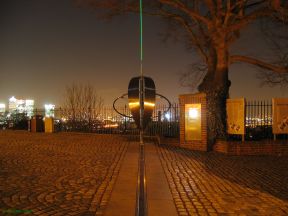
column 100, row 120
column 258, row 121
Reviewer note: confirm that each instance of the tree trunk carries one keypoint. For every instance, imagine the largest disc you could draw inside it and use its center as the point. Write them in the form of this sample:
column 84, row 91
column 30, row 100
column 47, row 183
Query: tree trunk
column 216, row 86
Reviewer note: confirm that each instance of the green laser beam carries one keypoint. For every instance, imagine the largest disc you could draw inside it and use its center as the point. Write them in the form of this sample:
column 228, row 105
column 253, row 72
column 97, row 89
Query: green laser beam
column 141, row 31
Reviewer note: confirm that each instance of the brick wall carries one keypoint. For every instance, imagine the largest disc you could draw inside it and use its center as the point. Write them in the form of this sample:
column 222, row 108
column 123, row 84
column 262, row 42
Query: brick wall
column 200, row 145
column 265, row 147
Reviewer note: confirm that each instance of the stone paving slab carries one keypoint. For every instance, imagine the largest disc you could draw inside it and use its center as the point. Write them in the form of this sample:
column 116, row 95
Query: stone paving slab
column 58, row 174
column 215, row 184
column 123, row 198
column 159, row 197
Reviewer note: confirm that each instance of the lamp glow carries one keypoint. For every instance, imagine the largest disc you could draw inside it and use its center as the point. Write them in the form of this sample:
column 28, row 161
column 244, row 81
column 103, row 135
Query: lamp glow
column 149, row 104
column 167, row 116
column 132, row 105
column 193, row 113
column 135, row 104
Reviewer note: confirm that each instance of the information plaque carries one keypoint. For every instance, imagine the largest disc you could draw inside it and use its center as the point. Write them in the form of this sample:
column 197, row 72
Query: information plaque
column 193, row 122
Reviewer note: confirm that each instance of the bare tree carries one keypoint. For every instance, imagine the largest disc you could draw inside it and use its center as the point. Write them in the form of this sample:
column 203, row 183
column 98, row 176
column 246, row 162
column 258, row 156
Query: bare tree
column 210, row 27
column 82, row 106
column 276, row 34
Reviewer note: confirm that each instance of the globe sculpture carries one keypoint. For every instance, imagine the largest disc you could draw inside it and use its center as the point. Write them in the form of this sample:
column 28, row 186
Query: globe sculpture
column 149, row 96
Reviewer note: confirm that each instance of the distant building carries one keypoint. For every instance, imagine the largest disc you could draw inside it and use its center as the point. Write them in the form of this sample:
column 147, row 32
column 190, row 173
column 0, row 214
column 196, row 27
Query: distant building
column 12, row 104
column 21, row 106
column 2, row 108
column 49, row 110
column 29, row 104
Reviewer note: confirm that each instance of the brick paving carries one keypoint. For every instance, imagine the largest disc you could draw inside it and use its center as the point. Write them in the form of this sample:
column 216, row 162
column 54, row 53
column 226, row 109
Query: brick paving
column 215, row 184
column 58, row 174
column 74, row 174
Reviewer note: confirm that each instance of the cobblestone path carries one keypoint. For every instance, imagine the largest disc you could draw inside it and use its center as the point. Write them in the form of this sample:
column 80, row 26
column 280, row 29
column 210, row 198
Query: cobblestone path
column 58, row 174
column 214, row 184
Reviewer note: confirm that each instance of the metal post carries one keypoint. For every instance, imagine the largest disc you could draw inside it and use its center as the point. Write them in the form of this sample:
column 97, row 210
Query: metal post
column 141, row 209
column 159, row 116
column 141, row 101
column 125, row 123
column 141, row 84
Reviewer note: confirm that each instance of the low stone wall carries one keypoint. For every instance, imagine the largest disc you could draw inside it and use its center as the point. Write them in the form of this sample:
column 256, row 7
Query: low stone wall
column 265, row 147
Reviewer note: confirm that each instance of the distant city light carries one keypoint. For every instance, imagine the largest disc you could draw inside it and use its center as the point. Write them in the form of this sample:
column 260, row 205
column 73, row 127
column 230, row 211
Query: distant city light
column 12, row 99
column 2, row 107
column 29, row 102
column 49, row 110
column 21, row 106
column 167, row 116
column 49, row 106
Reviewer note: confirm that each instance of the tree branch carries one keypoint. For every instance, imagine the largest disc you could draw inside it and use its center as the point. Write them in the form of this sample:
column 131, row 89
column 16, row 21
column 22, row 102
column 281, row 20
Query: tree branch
column 186, row 10
column 259, row 63
column 245, row 20
column 211, row 6
column 196, row 40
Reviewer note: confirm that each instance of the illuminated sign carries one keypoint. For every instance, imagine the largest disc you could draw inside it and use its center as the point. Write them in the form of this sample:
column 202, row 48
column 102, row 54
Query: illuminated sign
column 280, row 115
column 235, row 109
column 193, row 122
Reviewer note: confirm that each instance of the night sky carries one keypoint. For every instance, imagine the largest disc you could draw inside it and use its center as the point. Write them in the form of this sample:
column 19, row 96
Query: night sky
column 46, row 45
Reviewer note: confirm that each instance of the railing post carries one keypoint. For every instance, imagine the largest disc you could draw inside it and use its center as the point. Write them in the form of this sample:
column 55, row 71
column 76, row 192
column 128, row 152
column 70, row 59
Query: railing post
column 159, row 116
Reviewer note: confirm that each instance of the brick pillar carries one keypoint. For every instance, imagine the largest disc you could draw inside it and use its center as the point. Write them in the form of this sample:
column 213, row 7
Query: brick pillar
column 193, row 130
